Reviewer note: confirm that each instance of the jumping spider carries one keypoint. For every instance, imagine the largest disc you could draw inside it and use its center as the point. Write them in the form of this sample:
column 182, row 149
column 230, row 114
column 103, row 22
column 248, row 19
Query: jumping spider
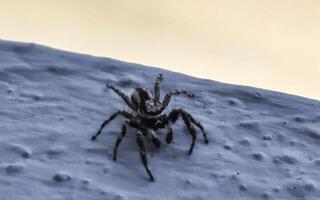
column 148, row 116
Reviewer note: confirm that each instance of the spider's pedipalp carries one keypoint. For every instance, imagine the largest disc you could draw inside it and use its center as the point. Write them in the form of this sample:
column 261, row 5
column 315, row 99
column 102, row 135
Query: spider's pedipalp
column 123, row 96
column 112, row 117
column 118, row 141
column 142, row 151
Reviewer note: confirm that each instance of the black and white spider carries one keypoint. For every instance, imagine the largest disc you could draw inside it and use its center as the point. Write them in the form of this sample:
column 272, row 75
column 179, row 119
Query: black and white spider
column 147, row 116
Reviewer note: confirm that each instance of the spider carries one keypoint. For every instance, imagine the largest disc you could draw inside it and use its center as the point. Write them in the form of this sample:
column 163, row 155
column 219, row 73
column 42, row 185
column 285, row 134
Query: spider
column 147, row 116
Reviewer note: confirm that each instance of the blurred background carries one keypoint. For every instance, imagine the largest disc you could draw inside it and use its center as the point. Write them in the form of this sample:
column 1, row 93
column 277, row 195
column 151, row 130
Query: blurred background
column 271, row 44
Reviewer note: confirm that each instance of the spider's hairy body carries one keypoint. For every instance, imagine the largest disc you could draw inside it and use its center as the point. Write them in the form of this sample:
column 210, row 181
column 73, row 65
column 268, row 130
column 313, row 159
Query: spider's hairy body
column 148, row 115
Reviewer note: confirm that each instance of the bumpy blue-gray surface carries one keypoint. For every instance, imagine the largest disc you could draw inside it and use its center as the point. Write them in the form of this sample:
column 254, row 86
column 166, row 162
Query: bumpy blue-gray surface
column 263, row 144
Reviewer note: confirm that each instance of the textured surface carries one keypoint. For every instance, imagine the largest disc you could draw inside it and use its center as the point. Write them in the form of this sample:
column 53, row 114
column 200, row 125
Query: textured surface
column 263, row 144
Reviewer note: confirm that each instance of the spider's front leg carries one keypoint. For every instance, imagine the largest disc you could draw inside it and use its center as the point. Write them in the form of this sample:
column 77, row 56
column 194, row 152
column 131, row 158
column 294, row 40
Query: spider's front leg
column 123, row 96
column 112, row 117
column 142, row 151
column 167, row 98
column 159, row 79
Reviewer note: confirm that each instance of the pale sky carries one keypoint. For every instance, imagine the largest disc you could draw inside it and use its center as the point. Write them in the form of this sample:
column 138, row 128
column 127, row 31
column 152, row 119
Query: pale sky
column 271, row 44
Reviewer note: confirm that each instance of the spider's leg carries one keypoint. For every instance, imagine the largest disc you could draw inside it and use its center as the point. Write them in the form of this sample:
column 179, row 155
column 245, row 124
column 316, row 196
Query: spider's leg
column 118, row 141
column 157, row 88
column 154, row 138
column 143, row 155
column 173, row 116
column 123, row 96
column 167, row 98
column 169, row 136
column 164, row 122
column 192, row 132
column 198, row 125
column 114, row 115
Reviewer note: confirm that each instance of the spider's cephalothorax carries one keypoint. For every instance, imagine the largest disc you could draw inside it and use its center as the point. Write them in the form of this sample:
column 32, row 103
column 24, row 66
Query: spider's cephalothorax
column 147, row 117
column 143, row 100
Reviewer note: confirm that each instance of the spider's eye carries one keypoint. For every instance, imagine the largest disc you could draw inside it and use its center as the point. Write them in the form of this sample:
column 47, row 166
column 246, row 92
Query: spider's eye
column 149, row 103
column 149, row 106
